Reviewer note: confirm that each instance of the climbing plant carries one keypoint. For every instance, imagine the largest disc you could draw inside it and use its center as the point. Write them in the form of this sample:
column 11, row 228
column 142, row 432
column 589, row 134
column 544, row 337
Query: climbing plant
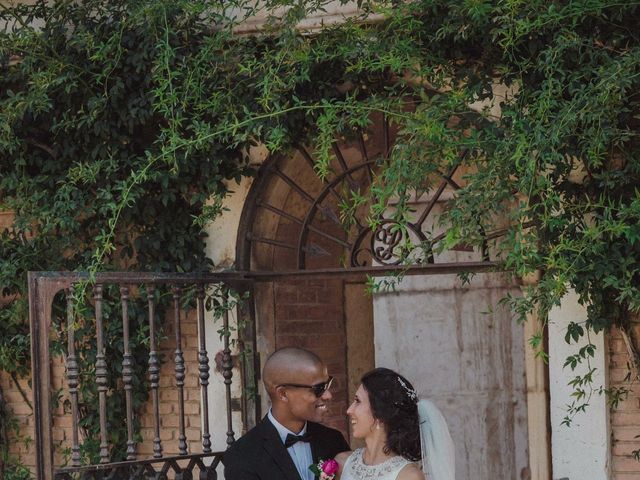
column 123, row 124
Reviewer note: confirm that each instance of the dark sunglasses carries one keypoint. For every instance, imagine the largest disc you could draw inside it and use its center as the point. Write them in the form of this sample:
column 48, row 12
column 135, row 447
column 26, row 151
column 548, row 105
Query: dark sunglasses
column 318, row 389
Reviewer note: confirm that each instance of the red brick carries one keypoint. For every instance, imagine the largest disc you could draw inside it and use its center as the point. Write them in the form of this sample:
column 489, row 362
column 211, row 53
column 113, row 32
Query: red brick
column 21, row 408
column 630, row 405
column 310, row 341
column 164, row 408
column 192, row 408
column 62, row 421
column 169, row 421
column 170, row 447
column 626, row 434
column 309, row 327
column 626, row 476
column 169, row 394
column 191, row 380
column 307, row 295
column 619, row 360
column 618, row 375
column 625, row 448
column 625, row 464
column 189, row 329
column 194, row 394
column 625, row 420
column 615, row 334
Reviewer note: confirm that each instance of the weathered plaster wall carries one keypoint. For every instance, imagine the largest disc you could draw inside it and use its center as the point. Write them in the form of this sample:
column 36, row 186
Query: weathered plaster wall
column 580, row 451
column 333, row 12
column 468, row 359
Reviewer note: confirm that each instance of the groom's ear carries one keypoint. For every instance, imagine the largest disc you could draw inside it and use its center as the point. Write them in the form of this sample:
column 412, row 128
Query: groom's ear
column 281, row 394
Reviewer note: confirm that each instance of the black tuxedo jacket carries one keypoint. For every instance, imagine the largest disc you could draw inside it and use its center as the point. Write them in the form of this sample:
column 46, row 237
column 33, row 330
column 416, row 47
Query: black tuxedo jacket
column 260, row 454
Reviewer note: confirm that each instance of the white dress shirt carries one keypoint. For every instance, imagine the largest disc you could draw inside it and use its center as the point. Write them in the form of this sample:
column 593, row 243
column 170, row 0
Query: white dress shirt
column 300, row 452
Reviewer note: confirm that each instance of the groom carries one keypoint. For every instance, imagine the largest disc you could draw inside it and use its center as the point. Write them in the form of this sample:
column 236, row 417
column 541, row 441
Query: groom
column 288, row 439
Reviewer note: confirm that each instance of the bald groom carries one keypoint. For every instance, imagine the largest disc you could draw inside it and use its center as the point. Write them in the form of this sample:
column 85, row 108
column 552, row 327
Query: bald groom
column 289, row 438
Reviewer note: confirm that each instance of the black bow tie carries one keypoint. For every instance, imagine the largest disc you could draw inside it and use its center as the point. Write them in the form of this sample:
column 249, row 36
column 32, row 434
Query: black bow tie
column 293, row 439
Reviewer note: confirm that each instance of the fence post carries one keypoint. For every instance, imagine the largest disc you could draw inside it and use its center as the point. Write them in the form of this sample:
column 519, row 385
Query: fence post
column 41, row 293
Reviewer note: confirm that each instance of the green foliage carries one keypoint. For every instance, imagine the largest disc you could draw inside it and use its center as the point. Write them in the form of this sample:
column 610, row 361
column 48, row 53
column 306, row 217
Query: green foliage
column 10, row 467
column 120, row 119
column 16, row 471
column 561, row 161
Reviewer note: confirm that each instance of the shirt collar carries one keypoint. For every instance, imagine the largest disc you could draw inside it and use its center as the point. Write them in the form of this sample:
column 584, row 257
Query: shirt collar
column 282, row 430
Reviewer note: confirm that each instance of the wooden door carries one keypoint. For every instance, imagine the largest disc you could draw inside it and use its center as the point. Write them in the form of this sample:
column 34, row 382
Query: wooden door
column 467, row 355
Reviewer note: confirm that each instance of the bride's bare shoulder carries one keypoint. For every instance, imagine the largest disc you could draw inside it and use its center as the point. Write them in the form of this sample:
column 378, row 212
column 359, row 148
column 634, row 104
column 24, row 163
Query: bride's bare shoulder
column 342, row 457
column 411, row 472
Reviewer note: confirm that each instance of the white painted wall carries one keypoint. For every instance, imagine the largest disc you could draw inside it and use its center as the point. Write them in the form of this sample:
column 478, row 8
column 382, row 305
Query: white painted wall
column 581, row 451
column 221, row 246
column 223, row 231
column 332, row 13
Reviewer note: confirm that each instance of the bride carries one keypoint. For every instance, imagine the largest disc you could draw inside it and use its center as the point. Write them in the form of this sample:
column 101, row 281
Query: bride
column 398, row 431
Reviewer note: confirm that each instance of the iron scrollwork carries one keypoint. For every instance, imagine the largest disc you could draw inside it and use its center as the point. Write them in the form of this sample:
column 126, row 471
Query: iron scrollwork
column 388, row 243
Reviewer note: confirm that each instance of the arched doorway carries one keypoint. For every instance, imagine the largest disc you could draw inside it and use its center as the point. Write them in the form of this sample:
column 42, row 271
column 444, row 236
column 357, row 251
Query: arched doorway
column 292, row 222
column 437, row 330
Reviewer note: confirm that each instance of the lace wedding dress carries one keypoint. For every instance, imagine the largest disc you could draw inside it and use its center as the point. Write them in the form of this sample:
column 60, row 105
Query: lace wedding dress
column 355, row 468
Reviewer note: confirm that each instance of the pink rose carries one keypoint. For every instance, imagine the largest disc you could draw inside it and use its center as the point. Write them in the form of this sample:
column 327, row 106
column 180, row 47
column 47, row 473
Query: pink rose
column 330, row 467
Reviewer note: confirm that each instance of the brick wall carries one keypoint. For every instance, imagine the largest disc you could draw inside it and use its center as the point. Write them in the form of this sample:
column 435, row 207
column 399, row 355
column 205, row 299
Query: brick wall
column 169, row 394
column 625, row 420
column 310, row 314
column 19, row 446
column 62, row 429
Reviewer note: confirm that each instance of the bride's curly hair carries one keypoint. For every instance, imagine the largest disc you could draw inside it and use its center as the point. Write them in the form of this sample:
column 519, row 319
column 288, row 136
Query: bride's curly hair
column 394, row 402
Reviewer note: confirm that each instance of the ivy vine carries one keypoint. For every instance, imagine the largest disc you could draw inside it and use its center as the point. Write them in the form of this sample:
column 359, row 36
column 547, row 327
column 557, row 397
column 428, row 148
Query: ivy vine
column 121, row 121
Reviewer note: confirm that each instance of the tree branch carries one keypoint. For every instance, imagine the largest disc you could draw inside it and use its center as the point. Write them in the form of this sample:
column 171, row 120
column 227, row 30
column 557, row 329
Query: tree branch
column 20, row 389
column 630, row 342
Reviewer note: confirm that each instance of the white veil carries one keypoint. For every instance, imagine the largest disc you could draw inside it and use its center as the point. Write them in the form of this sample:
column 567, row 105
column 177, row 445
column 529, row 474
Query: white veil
column 438, row 452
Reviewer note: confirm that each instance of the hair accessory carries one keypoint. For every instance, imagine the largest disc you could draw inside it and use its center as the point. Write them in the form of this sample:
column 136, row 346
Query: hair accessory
column 411, row 393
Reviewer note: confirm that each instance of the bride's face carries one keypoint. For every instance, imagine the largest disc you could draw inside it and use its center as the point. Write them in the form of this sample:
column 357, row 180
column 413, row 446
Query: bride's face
column 362, row 421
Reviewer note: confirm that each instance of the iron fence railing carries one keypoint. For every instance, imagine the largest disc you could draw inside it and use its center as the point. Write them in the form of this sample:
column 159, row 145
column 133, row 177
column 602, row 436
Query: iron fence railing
column 43, row 287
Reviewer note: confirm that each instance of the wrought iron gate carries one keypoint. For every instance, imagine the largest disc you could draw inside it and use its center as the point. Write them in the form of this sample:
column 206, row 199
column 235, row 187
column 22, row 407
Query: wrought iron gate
column 43, row 287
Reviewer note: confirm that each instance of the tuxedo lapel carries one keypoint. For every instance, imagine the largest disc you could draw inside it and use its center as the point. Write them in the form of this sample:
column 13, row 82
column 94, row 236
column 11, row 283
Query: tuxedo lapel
column 318, row 450
column 274, row 447
column 314, row 451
